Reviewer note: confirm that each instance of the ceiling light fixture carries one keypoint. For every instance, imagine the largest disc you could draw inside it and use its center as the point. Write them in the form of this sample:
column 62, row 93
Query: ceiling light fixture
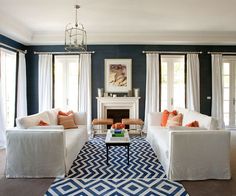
column 75, row 36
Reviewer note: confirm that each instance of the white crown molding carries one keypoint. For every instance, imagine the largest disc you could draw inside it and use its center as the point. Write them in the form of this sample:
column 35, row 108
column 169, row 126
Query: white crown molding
column 197, row 38
column 14, row 29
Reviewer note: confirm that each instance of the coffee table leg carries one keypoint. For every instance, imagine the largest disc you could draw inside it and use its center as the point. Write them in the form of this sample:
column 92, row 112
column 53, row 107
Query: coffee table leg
column 128, row 154
column 107, row 153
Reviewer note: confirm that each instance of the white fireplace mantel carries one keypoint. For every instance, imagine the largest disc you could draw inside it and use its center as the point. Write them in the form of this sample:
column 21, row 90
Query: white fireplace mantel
column 107, row 103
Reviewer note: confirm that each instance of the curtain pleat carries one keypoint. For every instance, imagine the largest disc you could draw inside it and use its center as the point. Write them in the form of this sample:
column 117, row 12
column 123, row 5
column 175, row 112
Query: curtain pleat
column 217, row 89
column 84, row 96
column 193, row 82
column 152, row 85
column 21, row 87
column 45, row 82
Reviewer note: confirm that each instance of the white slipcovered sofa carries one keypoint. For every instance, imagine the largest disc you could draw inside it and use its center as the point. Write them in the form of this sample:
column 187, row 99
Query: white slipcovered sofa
column 43, row 151
column 191, row 153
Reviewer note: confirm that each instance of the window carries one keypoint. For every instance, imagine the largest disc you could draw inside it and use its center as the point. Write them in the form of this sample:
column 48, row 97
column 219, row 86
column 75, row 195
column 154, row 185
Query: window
column 66, row 74
column 172, row 81
column 8, row 84
column 229, row 80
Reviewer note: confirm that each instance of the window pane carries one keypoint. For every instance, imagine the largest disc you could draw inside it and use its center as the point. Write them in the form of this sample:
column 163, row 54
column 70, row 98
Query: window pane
column 226, row 81
column 172, row 82
column 226, row 106
column 226, row 119
column 226, row 93
column 225, row 68
column 8, row 78
column 179, row 85
column 66, row 82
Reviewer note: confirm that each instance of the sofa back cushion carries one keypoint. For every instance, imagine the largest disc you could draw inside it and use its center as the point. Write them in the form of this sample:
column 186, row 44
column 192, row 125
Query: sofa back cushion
column 32, row 120
column 80, row 118
column 203, row 120
column 52, row 114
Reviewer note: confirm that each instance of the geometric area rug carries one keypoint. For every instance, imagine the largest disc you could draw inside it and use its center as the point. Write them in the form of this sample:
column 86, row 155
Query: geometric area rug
column 90, row 174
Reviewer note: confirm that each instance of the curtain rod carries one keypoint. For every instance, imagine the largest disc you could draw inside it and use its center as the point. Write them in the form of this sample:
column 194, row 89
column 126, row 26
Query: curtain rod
column 10, row 47
column 171, row 52
column 233, row 53
column 85, row 52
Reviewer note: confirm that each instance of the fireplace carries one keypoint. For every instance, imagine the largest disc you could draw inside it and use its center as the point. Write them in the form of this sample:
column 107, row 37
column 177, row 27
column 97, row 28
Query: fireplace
column 130, row 104
column 117, row 114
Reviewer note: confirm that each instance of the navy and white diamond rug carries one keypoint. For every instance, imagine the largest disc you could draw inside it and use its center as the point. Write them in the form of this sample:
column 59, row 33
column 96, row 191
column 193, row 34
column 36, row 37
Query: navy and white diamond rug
column 90, row 174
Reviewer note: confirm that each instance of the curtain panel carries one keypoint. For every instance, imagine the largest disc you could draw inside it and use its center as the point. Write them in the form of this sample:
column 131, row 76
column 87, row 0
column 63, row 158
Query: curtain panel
column 217, row 89
column 21, row 103
column 84, row 91
column 45, row 82
column 193, row 82
column 152, row 85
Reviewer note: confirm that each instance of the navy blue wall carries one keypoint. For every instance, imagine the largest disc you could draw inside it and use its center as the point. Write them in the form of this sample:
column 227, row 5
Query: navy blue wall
column 119, row 51
column 10, row 42
column 138, row 69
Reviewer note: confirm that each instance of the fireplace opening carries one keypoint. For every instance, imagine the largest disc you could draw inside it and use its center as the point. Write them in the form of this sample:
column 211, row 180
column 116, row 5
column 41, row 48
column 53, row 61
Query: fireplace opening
column 117, row 114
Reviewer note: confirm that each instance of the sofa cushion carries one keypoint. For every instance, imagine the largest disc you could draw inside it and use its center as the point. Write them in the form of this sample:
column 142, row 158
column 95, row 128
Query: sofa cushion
column 192, row 124
column 181, row 128
column 189, row 116
column 52, row 114
column 80, row 118
column 42, row 123
column 48, row 127
column 67, row 121
column 32, row 120
column 175, row 120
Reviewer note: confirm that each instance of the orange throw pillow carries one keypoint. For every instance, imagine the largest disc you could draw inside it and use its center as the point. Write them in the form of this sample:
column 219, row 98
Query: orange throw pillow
column 193, row 124
column 67, row 121
column 175, row 120
column 65, row 113
column 165, row 116
column 42, row 123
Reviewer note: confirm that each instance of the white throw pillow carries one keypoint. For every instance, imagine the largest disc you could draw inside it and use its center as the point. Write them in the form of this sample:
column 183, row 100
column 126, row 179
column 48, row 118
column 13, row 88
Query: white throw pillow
column 32, row 120
column 52, row 114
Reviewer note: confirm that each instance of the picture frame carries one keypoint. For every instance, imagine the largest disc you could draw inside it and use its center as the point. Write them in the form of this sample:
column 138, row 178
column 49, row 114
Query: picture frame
column 118, row 75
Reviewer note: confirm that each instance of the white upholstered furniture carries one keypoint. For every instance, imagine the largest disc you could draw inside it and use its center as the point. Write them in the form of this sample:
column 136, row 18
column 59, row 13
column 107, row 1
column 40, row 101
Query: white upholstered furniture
column 191, row 153
column 49, row 151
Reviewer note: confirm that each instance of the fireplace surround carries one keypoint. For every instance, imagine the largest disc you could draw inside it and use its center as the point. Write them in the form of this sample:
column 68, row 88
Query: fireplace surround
column 118, row 103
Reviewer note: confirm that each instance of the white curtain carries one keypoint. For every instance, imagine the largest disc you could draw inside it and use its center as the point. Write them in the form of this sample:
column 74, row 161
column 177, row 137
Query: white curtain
column 45, row 82
column 84, row 97
column 21, row 87
column 217, row 89
column 2, row 118
column 193, row 82
column 152, row 85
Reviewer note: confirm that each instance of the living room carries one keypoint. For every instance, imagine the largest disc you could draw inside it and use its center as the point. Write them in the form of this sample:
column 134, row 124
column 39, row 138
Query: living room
column 170, row 59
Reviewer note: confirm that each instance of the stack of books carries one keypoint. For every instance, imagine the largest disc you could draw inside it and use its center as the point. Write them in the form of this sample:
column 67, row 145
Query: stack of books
column 118, row 133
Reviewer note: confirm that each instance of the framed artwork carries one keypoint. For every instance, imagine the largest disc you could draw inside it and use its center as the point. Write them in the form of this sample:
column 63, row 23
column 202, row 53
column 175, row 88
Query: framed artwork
column 118, row 75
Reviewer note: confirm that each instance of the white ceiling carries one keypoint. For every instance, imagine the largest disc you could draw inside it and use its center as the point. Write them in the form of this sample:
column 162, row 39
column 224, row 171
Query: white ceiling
column 121, row 21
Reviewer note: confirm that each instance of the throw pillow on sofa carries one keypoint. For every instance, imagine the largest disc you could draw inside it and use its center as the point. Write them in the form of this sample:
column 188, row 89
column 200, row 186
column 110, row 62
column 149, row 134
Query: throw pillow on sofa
column 42, row 123
column 192, row 124
column 175, row 120
column 67, row 121
column 165, row 116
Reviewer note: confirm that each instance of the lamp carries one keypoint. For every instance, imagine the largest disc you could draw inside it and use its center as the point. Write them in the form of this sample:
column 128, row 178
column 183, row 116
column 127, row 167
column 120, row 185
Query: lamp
column 75, row 36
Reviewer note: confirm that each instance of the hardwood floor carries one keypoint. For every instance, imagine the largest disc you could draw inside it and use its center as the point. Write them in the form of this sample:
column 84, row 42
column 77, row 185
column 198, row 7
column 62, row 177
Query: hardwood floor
column 12, row 187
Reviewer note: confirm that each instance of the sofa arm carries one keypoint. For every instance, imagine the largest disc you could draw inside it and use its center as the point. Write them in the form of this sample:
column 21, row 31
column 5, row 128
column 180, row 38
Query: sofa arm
column 154, row 118
column 80, row 118
column 35, row 153
column 199, row 155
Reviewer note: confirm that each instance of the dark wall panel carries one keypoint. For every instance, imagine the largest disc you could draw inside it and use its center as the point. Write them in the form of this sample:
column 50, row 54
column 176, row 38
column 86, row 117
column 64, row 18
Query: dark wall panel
column 138, row 69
